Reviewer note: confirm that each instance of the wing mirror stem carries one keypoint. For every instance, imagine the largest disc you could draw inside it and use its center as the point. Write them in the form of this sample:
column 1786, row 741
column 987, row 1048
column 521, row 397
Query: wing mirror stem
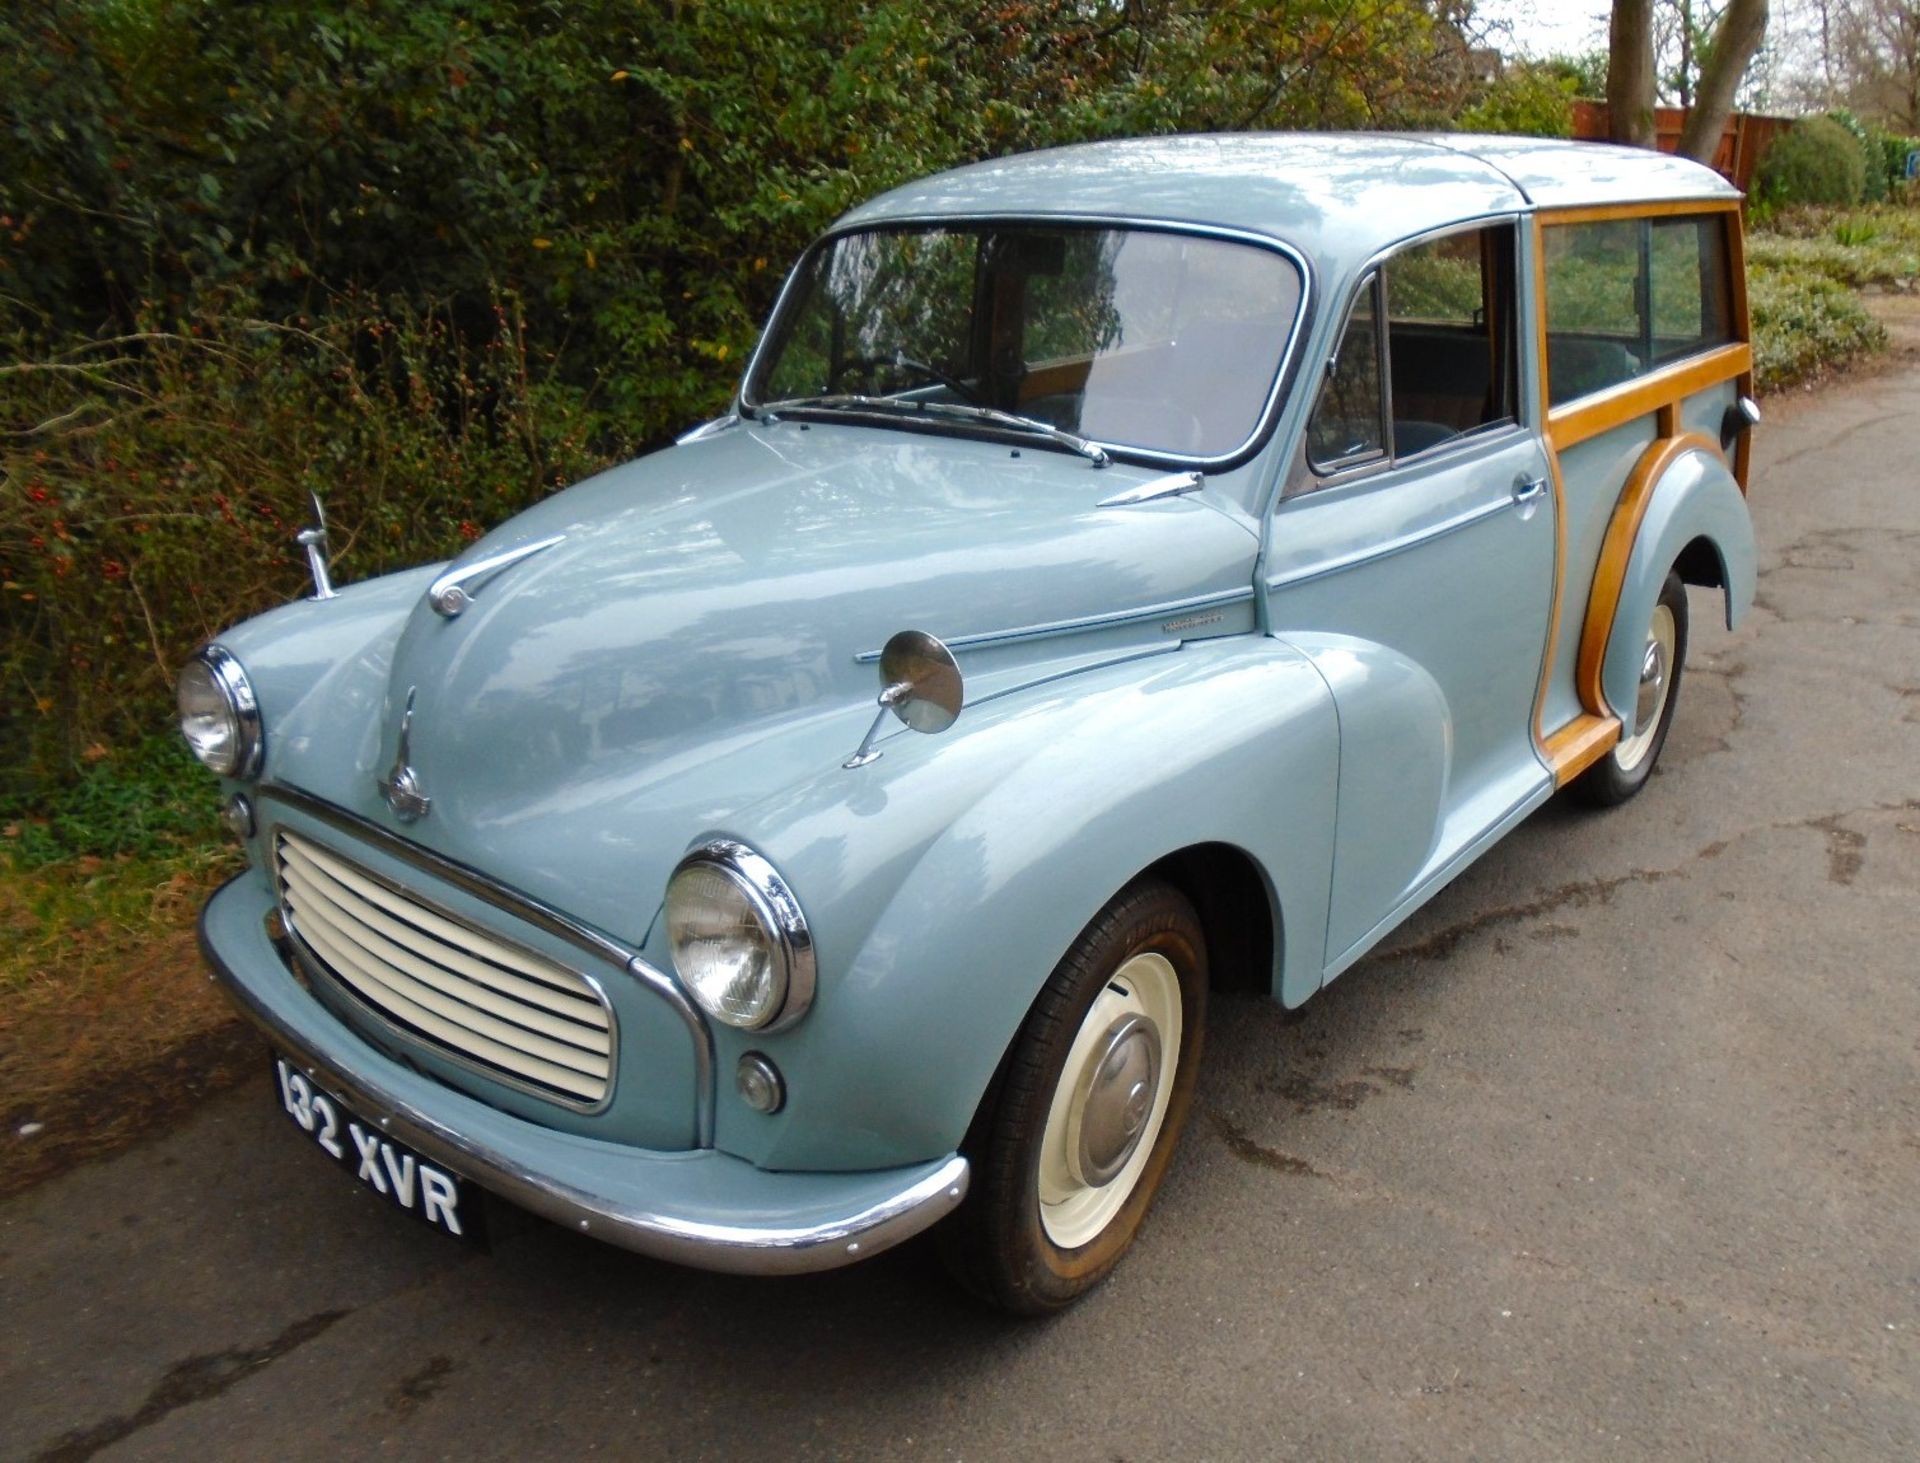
column 920, row 683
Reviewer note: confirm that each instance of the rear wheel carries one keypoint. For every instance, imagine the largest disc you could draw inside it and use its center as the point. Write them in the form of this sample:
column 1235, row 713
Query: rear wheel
column 1072, row 1147
column 1625, row 769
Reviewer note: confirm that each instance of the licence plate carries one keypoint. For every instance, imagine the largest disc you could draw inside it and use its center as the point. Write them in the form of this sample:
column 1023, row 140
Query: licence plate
column 395, row 1172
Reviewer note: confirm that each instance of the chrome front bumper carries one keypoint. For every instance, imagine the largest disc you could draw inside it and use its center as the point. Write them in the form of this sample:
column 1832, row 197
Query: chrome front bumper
column 700, row 1208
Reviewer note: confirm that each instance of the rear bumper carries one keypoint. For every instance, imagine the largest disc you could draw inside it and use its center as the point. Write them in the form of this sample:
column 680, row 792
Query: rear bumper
column 700, row 1208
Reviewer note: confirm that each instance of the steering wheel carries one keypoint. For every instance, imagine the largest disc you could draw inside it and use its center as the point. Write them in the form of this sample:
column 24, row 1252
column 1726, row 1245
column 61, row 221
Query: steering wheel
column 954, row 384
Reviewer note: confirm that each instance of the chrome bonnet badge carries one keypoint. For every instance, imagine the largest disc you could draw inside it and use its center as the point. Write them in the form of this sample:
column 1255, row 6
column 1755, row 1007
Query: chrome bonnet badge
column 401, row 786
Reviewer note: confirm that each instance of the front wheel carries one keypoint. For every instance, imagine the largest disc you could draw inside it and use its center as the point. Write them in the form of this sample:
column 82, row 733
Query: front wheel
column 1625, row 769
column 1070, row 1150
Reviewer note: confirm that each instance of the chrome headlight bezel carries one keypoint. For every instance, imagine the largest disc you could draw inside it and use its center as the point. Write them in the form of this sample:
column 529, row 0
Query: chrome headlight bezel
column 778, row 913
column 248, row 740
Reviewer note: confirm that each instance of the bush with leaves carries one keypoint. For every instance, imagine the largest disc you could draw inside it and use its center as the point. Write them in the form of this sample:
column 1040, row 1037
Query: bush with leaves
column 153, row 480
column 1805, row 324
column 1816, row 161
column 1535, row 101
column 435, row 258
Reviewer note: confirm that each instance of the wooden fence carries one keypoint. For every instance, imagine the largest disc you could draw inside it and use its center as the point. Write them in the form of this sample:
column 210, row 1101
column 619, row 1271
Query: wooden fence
column 1746, row 136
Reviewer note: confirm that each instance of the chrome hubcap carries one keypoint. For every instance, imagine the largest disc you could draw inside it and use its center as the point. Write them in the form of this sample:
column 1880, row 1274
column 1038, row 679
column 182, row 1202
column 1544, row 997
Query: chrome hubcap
column 1656, row 682
column 1115, row 1095
column 1110, row 1102
column 1653, row 680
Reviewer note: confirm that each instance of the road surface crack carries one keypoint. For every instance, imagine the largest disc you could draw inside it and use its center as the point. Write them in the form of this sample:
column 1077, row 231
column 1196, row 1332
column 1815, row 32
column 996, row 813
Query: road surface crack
column 195, row 1379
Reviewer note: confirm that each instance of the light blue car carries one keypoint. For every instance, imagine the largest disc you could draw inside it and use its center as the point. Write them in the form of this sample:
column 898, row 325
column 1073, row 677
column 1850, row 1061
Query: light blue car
column 1126, row 571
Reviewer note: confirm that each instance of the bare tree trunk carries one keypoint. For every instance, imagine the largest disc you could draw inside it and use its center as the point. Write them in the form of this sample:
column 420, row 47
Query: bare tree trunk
column 1686, row 53
column 1741, row 30
column 1630, row 74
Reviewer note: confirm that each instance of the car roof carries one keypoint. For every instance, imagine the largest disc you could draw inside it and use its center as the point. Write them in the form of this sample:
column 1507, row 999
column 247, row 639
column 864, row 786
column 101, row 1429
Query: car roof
column 1334, row 194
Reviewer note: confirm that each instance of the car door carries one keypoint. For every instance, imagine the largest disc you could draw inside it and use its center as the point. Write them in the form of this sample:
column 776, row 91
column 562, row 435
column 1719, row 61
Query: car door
column 1413, row 558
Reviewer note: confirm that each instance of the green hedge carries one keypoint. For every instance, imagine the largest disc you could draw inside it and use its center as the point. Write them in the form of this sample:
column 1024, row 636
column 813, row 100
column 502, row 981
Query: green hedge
column 1816, row 161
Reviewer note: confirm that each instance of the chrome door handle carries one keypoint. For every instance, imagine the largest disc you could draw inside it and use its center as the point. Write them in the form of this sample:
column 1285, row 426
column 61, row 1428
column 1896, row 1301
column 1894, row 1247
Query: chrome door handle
column 1527, row 490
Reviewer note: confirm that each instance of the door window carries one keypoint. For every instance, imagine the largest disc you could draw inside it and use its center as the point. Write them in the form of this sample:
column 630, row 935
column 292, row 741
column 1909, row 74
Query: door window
column 1443, row 366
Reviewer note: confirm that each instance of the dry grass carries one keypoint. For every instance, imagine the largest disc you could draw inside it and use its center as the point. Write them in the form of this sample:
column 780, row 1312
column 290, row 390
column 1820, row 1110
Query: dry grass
column 108, row 1023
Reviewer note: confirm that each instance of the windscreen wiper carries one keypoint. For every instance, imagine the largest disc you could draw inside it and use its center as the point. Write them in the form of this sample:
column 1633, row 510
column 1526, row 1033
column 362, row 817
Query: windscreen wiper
column 952, row 410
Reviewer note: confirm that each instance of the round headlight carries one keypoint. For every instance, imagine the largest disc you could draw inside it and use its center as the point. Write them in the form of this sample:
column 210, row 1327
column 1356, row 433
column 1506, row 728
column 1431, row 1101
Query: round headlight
column 738, row 939
column 219, row 716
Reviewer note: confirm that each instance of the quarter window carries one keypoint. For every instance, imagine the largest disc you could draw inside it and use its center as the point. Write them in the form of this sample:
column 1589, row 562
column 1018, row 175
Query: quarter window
column 1349, row 421
column 1627, row 296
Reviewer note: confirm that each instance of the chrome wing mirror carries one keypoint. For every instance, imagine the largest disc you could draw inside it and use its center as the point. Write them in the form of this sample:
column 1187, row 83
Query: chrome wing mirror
column 920, row 683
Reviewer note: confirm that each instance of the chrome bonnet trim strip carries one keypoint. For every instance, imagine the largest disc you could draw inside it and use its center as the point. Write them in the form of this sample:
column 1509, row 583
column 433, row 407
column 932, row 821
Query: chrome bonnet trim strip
column 1173, row 607
column 541, row 916
column 758, row 1249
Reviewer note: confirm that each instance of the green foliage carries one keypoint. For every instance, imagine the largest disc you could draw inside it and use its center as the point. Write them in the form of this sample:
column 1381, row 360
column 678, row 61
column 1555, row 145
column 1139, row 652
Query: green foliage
column 1804, row 324
column 1535, row 101
column 1894, row 150
column 1874, row 180
column 433, row 260
column 1816, row 161
column 150, row 483
column 1858, row 248
column 148, row 799
column 1586, row 73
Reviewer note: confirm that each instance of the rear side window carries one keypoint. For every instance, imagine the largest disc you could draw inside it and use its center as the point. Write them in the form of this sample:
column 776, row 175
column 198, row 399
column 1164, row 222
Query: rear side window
column 1627, row 296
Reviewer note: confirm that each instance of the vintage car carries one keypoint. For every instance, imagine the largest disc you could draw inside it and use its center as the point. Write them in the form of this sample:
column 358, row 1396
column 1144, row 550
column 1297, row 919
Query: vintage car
column 1126, row 571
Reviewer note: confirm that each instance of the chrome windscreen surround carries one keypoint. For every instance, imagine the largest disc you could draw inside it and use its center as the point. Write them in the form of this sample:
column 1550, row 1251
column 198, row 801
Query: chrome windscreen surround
column 471, row 996
column 779, row 912
column 541, row 916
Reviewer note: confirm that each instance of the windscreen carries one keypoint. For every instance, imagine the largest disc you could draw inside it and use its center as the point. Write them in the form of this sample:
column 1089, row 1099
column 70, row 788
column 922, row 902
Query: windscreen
column 1155, row 340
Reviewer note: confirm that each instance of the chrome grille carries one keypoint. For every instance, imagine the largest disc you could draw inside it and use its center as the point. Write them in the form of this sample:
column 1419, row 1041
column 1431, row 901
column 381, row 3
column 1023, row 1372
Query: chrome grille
column 498, row 1006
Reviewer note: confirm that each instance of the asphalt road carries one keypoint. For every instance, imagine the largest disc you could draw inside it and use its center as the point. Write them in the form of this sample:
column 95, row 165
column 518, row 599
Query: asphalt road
column 1615, row 1151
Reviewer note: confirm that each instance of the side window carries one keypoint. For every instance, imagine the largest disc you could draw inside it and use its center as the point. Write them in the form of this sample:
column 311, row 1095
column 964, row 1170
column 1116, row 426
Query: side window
column 1593, row 307
column 1348, row 425
column 1692, row 310
column 1626, row 296
column 1450, row 362
column 1450, row 338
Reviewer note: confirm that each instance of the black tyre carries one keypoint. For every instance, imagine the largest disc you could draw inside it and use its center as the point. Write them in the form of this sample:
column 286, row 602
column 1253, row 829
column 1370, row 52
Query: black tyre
column 1071, row 1147
column 1625, row 769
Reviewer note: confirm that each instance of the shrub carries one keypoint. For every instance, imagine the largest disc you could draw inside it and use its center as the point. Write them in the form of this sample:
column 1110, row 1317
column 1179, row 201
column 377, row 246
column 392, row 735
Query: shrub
column 1857, row 247
column 1804, row 324
column 1894, row 151
column 150, row 483
column 1531, row 100
column 1816, row 161
column 1873, row 172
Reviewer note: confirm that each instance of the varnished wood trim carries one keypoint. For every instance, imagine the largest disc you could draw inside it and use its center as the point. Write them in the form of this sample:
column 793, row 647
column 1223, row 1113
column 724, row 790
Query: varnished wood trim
column 1666, row 208
column 1743, row 328
column 1559, row 488
column 1610, row 573
column 1604, row 410
column 1579, row 744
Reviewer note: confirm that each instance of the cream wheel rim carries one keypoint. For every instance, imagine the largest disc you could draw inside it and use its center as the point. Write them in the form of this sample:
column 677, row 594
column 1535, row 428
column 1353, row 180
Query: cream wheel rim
column 1656, row 684
column 1111, row 1100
